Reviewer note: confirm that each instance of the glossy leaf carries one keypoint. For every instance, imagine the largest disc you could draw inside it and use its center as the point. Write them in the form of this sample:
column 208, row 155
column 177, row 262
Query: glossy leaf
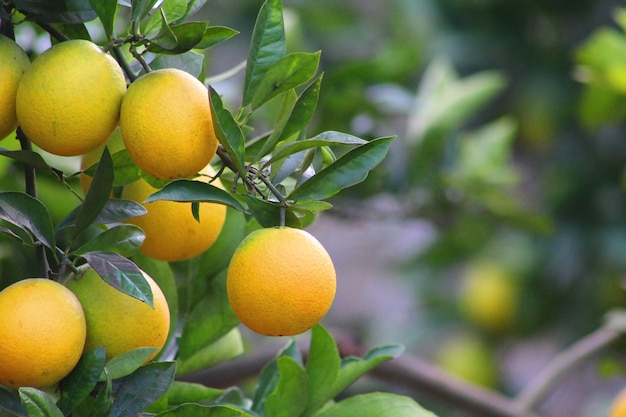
column 82, row 380
column 228, row 131
column 141, row 8
column 224, row 349
column 210, row 319
column 322, row 367
column 38, row 403
column 185, row 37
column 98, row 193
column 266, row 144
column 194, row 191
column 57, row 11
column 267, row 213
column 328, row 138
column 214, row 35
column 198, row 410
column 291, row 394
column 267, row 46
column 376, row 404
column 121, row 273
column 181, row 392
column 290, row 72
column 114, row 211
column 348, row 170
column 28, row 214
column 303, row 110
column 126, row 363
column 106, row 12
column 124, row 168
column 142, row 388
column 123, row 239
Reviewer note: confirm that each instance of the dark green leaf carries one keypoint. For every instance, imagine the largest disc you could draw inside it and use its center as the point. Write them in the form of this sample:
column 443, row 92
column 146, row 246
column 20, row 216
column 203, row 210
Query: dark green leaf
column 322, row 367
column 98, row 193
column 197, row 410
column 190, row 61
column 106, row 12
column 142, row 388
column 348, row 170
column 291, row 395
column 267, row 46
column 57, row 11
column 123, row 239
column 267, row 213
column 329, row 138
column 82, row 380
column 125, row 169
column 114, row 211
column 121, row 273
column 186, row 36
column 141, row 8
column 228, row 131
column 10, row 402
column 104, row 399
column 29, row 214
column 38, row 403
column 268, row 379
column 290, row 72
column 195, row 191
column 376, row 404
column 214, row 35
column 31, row 158
column 303, row 110
column 127, row 363
column 210, row 319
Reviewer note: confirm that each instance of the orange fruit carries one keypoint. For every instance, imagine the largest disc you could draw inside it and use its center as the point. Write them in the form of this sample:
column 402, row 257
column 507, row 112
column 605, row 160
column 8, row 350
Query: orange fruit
column 167, row 125
column 618, row 406
column 172, row 233
column 42, row 333
column 280, row 281
column 13, row 63
column 68, row 101
column 118, row 321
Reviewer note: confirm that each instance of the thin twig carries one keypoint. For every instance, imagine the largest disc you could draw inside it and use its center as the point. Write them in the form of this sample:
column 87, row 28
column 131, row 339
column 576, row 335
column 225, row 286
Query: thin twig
column 60, row 36
column 591, row 344
column 121, row 59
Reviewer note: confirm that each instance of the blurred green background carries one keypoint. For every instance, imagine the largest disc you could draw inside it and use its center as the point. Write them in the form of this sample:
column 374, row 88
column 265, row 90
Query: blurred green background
column 494, row 234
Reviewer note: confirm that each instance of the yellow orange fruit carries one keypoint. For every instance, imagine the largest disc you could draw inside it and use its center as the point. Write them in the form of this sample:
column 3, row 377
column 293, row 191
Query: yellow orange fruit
column 114, row 143
column 118, row 321
column 167, row 125
column 172, row 232
column 42, row 333
column 618, row 406
column 68, row 101
column 281, row 281
column 13, row 64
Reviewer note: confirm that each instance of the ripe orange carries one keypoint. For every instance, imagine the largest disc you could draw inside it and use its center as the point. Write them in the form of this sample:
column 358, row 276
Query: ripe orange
column 172, row 233
column 42, row 333
column 114, row 142
column 68, row 101
column 13, row 63
column 618, row 406
column 167, row 125
column 281, row 281
column 118, row 321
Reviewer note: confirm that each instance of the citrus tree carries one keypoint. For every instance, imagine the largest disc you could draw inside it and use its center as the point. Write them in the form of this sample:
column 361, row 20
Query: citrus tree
column 188, row 218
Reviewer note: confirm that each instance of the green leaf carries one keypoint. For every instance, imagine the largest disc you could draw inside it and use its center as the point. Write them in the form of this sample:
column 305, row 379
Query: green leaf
column 194, row 191
column 28, row 214
column 353, row 368
column 228, row 131
column 185, row 37
column 141, row 8
column 190, row 61
column 31, row 158
column 210, row 319
column 106, row 10
column 57, row 11
column 10, row 402
column 126, row 363
column 114, row 211
column 125, row 169
column 104, row 399
column 120, row 273
column 290, row 72
column 266, row 144
column 223, row 349
column 123, row 239
column 322, row 368
column 38, row 403
column 98, row 193
column 267, row 213
column 268, row 379
column 181, row 392
column 82, row 380
column 267, row 46
column 303, row 110
column 291, row 394
column 328, row 138
column 376, row 404
column 346, row 171
column 142, row 388
column 214, row 35
column 197, row 410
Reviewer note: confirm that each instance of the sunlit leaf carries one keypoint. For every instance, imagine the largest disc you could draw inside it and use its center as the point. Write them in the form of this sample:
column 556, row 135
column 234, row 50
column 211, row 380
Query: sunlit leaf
column 39, row 403
column 376, row 404
column 291, row 394
column 127, row 363
column 228, row 131
column 214, row 35
column 225, row 348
